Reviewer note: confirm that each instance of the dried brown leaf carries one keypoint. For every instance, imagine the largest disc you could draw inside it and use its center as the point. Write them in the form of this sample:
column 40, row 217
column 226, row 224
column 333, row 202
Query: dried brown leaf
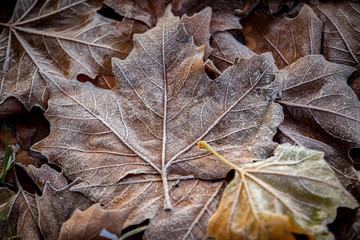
column 276, row 5
column 288, row 39
column 148, row 11
column 198, row 26
column 11, row 107
column 225, row 13
column 227, row 49
column 5, row 195
column 56, row 206
column 64, row 38
column 22, row 156
column 46, row 174
column 31, row 128
column 315, row 91
column 136, row 144
column 128, row 27
column 341, row 32
column 90, row 223
column 22, row 214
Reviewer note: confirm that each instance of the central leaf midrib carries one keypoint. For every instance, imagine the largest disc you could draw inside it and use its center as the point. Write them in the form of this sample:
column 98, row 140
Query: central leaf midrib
column 167, row 202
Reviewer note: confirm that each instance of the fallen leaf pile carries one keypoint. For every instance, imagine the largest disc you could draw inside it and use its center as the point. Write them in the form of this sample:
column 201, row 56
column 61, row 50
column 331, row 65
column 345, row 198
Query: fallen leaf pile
column 109, row 100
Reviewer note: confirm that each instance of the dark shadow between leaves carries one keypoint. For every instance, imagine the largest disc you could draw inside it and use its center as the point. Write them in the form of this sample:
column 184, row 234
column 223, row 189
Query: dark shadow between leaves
column 26, row 182
column 346, row 225
column 27, row 128
column 354, row 82
column 100, row 81
column 108, row 12
column 12, row 107
column 237, row 34
column 355, row 157
column 230, row 176
column 31, row 128
column 211, row 74
column 6, row 11
column 300, row 236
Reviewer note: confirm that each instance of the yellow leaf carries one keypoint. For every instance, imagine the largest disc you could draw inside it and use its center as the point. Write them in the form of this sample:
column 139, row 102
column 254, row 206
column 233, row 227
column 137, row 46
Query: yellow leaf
column 293, row 192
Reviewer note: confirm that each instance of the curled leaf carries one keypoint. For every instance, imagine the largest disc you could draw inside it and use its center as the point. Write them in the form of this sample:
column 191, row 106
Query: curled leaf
column 56, row 206
column 89, row 224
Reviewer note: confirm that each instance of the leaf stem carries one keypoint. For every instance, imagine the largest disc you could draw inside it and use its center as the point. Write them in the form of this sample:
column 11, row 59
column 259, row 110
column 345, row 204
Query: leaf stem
column 204, row 145
column 5, row 25
column 167, row 202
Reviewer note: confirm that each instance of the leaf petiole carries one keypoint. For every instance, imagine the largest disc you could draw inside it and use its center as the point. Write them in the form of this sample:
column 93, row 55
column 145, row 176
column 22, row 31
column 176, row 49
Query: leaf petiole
column 204, row 145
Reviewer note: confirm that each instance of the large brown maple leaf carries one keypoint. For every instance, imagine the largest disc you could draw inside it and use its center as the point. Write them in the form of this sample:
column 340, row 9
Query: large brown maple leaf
column 136, row 144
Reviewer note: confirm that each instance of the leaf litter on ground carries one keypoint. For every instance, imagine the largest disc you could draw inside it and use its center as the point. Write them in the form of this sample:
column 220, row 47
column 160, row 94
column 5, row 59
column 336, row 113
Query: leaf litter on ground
column 124, row 132
column 136, row 144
